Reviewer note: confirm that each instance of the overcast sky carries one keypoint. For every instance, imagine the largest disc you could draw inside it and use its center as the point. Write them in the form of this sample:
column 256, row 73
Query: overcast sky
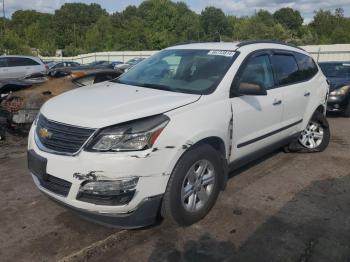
column 235, row 7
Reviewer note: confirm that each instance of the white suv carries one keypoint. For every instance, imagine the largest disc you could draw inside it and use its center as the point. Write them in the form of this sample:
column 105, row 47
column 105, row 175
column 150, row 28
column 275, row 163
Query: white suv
column 20, row 66
column 162, row 138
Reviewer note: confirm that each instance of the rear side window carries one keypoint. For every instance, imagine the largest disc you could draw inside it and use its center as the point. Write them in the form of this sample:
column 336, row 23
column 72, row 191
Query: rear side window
column 3, row 62
column 307, row 67
column 285, row 68
column 21, row 61
column 258, row 71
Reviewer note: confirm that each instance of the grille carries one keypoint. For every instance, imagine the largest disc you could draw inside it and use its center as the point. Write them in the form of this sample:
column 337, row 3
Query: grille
column 55, row 184
column 61, row 138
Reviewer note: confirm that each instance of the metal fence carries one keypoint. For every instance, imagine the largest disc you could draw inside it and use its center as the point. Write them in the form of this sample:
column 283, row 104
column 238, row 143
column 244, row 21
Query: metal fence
column 321, row 53
column 122, row 56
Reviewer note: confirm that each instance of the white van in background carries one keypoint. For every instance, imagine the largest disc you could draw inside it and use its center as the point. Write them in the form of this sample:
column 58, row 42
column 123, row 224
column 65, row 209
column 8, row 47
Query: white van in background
column 20, row 66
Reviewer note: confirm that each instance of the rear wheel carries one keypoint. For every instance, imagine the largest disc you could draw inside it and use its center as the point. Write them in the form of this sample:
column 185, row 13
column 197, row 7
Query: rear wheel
column 2, row 133
column 193, row 186
column 316, row 136
column 347, row 111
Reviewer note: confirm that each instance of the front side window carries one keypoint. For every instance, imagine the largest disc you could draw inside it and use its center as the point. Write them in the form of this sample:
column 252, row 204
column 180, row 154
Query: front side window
column 258, row 71
column 341, row 70
column 285, row 68
column 187, row 71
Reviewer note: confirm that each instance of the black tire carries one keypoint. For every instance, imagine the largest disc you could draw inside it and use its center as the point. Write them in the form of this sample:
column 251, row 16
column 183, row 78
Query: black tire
column 346, row 112
column 172, row 208
column 2, row 133
column 321, row 119
column 296, row 146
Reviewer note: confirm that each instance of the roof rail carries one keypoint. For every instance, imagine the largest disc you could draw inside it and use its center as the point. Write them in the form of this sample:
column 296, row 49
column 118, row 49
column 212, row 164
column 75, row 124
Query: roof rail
column 250, row 42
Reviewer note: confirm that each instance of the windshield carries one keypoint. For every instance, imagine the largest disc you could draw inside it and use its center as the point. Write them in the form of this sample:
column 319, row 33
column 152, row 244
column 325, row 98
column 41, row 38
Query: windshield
column 187, row 71
column 336, row 69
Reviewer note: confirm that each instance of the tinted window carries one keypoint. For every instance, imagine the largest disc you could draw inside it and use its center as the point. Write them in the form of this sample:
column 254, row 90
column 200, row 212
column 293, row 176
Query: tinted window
column 72, row 64
column 285, row 68
column 336, row 69
column 21, row 61
column 258, row 71
column 3, row 62
column 58, row 65
column 307, row 67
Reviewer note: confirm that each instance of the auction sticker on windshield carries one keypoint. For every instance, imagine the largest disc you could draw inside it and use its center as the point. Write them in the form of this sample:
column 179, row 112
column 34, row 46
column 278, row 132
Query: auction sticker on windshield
column 221, row 53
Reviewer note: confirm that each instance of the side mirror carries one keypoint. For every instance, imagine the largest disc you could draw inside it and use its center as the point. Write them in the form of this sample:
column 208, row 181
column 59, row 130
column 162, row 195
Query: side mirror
column 251, row 89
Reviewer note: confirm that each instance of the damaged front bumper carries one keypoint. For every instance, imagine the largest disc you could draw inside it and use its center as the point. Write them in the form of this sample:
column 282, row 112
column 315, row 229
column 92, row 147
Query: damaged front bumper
column 67, row 175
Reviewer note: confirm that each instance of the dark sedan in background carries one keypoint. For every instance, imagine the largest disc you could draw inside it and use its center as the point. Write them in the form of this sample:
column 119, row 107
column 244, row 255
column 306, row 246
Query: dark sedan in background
column 338, row 74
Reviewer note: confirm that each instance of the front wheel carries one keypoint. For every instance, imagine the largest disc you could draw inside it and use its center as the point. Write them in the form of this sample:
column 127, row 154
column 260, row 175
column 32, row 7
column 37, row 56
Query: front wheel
column 193, row 186
column 316, row 136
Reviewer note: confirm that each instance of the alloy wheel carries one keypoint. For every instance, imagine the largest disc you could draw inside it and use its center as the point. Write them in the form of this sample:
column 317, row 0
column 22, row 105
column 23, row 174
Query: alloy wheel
column 198, row 185
column 312, row 136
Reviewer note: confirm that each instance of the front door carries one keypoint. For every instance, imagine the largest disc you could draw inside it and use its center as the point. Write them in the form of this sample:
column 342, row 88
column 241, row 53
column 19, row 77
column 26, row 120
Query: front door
column 256, row 119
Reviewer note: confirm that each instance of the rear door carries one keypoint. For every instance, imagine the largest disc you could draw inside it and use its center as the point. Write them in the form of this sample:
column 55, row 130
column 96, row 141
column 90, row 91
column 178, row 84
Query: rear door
column 3, row 68
column 291, row 80
column 256, row 119
column 23, row 66
column 17, row 68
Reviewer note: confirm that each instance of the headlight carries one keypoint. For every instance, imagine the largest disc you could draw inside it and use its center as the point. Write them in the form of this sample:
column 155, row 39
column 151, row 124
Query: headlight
column 131, row 136
column 340, row 91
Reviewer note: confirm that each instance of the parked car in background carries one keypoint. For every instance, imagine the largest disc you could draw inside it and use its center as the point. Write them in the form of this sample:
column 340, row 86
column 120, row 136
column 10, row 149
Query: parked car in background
column 100, row 64
column 338, row 74
column 126, row 66
column 16, row 67
column 64, row 71
column 55, row 67
column 20, row 100
column 162, row 137
column 115, row 63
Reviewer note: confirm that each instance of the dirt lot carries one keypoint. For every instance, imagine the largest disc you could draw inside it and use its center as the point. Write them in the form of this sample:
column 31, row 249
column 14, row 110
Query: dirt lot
column 286, row 207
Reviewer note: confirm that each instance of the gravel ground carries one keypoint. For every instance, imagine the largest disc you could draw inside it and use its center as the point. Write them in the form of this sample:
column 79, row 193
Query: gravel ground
column 285, row 207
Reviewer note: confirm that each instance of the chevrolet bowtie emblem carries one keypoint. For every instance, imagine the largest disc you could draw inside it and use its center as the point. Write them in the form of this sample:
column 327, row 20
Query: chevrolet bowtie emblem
column 44, row 133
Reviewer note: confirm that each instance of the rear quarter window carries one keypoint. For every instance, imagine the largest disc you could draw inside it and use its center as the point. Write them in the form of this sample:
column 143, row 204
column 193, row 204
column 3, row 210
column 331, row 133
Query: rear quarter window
column 3, row 62
column 307, row 67
column 285, row 68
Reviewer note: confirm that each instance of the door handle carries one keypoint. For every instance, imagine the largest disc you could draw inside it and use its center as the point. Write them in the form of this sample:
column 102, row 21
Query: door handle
column 277, row 102
column 307, row 94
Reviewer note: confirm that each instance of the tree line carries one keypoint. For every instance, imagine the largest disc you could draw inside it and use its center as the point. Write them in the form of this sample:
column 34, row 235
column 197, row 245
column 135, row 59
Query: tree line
column 78, row 28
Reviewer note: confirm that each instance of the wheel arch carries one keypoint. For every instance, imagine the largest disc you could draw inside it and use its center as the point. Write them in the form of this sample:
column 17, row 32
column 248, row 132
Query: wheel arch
column 219, row 145
column 307, row 117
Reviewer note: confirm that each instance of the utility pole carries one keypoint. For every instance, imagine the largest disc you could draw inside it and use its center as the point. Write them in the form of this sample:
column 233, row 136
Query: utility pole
column 75, row 37
column 3, row 16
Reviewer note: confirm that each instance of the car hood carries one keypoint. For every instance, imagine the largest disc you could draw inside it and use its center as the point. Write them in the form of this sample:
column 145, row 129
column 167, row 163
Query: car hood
column 337, row 82
column 111, row 103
